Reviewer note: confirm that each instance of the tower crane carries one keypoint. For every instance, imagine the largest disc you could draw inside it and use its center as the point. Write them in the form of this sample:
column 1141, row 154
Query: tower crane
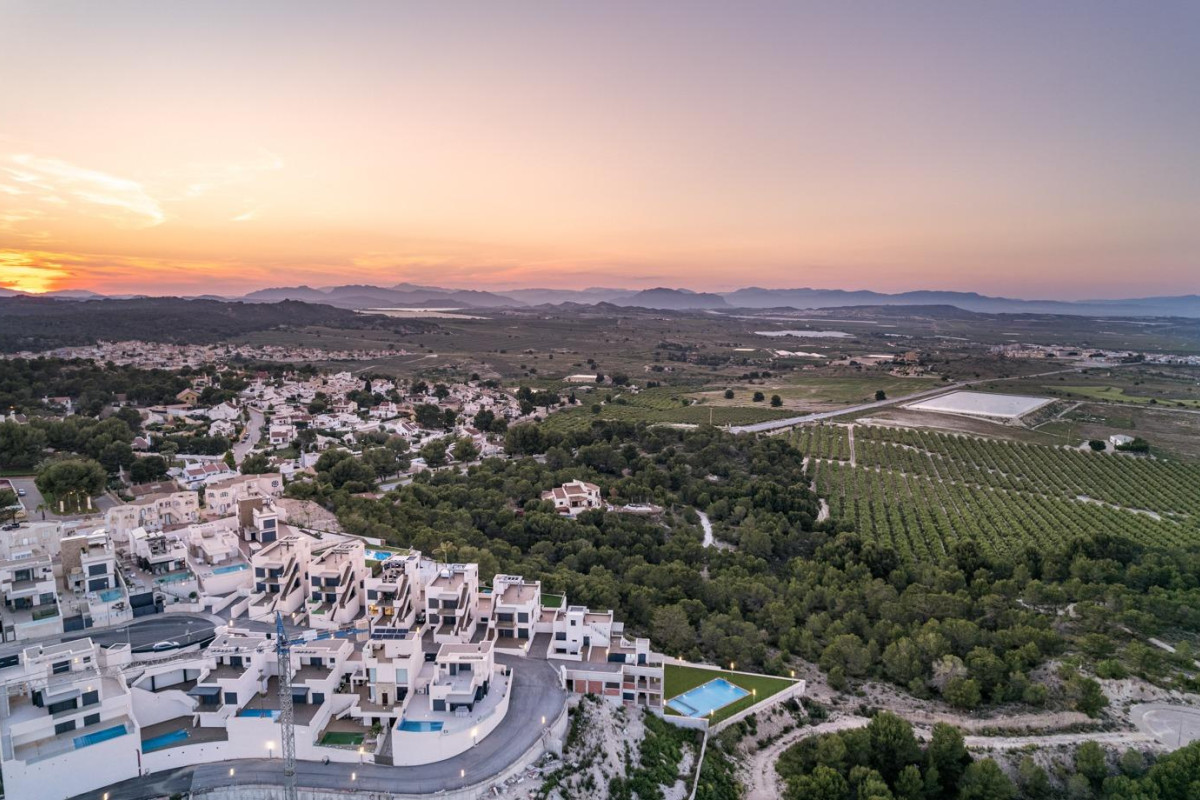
column 287, row 720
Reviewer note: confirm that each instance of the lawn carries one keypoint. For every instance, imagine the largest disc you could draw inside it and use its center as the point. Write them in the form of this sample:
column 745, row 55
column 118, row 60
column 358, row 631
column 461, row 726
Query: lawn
column 657, row 405
column 678, row 680
column 342, row 738
column 1116, row 394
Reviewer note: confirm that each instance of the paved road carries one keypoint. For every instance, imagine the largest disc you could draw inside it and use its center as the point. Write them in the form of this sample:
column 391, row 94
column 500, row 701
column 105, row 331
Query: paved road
column 243, row 446
column 33, row 498
column 535, row 694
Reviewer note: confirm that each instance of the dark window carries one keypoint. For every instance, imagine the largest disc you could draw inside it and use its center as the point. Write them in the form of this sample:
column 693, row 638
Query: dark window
column 62, row 705
column 318, row 698
column 231, row 698
column 91, row 719
column 59, row 667
column 316, row 581
column 97, row 569
column 522, row 617
column 372, row 594
column 96, row 584
column 65, row 727
column 90, row 698
column 259, row 572
column 561, row 636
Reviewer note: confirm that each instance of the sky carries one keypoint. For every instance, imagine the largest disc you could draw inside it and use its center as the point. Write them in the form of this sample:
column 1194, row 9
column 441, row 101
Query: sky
column 1024, row 149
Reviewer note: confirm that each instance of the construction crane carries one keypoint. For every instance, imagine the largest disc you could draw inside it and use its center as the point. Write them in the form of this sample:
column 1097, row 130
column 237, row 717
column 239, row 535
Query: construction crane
column 287, row 720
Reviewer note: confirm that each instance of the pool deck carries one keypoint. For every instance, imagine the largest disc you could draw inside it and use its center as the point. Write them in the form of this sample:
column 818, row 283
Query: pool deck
column 195, row 735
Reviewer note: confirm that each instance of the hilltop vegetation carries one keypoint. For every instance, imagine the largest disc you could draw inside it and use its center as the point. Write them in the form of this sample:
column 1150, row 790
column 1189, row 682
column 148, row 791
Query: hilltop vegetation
column 972, row 626
column 30, row 323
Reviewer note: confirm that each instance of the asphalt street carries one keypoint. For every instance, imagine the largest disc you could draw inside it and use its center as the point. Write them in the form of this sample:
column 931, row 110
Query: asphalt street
column 536, row 695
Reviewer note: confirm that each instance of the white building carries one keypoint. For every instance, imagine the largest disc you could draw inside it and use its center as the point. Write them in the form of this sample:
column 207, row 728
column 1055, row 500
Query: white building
column 574, row 497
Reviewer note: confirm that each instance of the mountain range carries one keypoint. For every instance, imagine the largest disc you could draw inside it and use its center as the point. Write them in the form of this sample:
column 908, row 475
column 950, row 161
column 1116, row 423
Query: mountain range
column 409, row 295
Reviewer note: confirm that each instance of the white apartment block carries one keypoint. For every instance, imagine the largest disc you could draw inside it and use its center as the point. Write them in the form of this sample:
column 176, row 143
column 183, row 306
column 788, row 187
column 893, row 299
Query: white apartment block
column 335, row 577
column 393, row 592
column 222, row 497
column 451, row 603
column 152, row 512
column 511, row 612
column 158, row 553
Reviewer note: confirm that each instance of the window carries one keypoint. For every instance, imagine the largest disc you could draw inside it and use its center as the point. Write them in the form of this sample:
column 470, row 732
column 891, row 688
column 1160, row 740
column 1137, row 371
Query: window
column 91, row 719
column 231, row 698
column 62, row 705
column 59, row 667
column 65, row 727
column 97, row 569
column 91, row 698
column 522, row 617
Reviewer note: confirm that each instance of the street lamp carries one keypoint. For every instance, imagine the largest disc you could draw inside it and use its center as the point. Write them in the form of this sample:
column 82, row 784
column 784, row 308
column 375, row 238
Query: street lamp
column 270, row 749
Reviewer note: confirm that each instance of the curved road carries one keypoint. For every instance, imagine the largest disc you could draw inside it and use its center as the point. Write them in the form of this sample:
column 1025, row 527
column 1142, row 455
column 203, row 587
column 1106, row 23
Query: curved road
column 535, row 695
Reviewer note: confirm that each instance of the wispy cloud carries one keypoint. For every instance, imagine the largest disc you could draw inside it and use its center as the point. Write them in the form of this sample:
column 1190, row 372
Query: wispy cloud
column 122, row 201
column 27, row 272
column 204, row 178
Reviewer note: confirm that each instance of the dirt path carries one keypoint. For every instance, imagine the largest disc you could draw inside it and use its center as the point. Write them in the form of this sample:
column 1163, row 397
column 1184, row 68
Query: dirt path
column 853, row 461
column 761, row 780
column 1058, row 739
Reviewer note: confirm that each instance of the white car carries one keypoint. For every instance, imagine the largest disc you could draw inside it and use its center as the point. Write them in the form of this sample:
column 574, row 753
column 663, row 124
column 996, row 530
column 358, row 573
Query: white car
column 160, row 646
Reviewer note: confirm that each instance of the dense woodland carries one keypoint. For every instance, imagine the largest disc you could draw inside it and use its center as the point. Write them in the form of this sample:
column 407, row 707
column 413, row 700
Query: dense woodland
column 971, row 630
column 885, row 761
column 32, row 323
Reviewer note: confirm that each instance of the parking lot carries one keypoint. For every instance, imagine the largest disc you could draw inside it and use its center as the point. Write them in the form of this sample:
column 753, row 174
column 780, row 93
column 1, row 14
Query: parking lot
column 34, row 503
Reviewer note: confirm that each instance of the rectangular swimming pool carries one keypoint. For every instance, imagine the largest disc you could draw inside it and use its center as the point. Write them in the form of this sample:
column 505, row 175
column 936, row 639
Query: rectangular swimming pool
column 705, row 699
column 419, row 726
column 230, row 568
column 378, row 555
column 95, row 737
column 270, row 713
column 164, row 740
column 111, row 595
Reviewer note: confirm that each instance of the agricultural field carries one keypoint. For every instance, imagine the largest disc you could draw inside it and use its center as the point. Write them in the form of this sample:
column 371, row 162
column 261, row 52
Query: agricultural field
column 657, row 405
column 813, row 391
column 921, row 492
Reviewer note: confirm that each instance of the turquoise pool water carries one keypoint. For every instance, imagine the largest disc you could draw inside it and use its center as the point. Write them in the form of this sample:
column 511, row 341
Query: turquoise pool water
column 95, row 737
column 164, row 740
column 111, row 595
column 269, row 713
column 703, row 700
column 377, row 555
column 419, row 726
column 230, row 568
column 174, row 578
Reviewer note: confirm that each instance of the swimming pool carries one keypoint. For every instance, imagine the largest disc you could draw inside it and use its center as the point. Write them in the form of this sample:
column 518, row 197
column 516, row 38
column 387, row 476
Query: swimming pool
column 174, row 578
column 164, row 740
column 703, row 700
column 269, row 713
column 111, row 595
column 95, row 737
column 230, row 568
column 419, row 726
column 378, row 555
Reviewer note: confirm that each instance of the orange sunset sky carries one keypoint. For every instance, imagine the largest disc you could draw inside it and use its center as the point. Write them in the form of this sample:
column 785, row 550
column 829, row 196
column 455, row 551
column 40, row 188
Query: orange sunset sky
column 1022, row 148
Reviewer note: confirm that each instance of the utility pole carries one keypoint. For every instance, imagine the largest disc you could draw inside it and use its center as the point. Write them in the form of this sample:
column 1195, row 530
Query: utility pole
column 287, row 729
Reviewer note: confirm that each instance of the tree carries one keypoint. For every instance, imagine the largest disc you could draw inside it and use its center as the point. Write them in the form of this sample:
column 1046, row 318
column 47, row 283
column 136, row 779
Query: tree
column 229, row 460
column 1097, row 444
column 984, row 780
column 822, row 784
column 776, row 401
column 729, row 394
column 148, row 469
column 428, row 416
column 880, row 395
column 672, row 630
column 947, row 754
column 72, row 478
column 759, row 397
column 1089, row 696
column 434, row 452
column 1091, row 763
column 256, row 464
column 1033, row 780
column 524, row 440
column 21, row 446
column 962, row 693
column 893, row 745
column 465, row 450
column 9, row 504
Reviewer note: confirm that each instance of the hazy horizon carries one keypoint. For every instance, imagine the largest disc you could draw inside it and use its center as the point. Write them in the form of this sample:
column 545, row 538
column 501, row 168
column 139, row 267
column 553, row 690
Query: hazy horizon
column 1022, row 150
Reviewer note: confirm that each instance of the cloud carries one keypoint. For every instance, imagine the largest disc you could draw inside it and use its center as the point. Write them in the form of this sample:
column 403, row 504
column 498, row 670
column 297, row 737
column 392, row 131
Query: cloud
column 26, row 272
column 205, row 178
column 122, row 201
column 245, row 216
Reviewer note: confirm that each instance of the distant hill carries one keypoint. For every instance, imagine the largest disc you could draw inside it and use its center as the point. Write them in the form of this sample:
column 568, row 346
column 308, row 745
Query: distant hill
column 671, row 299
column 404, row 295
column 37, row 323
